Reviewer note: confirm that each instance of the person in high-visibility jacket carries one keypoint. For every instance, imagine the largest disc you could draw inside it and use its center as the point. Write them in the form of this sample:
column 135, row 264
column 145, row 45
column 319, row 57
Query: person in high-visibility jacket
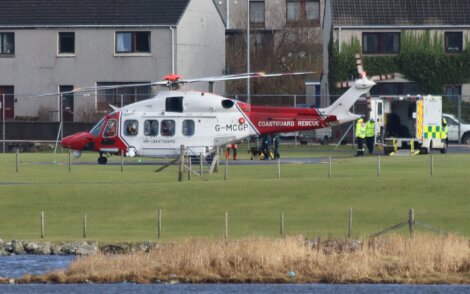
column 360, row 135
column 370, row 134
column 445, row 130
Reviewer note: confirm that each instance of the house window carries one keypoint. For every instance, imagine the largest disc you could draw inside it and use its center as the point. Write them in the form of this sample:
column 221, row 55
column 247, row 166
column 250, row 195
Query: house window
column 454, row 41
column 132, row 42
column 303, row 10
column 188, row 127
column 66, row 42
column 453, row 92
column 121, row 96
column 377, row 43
column 151, row 127
column 7, row 43
column 257, row 13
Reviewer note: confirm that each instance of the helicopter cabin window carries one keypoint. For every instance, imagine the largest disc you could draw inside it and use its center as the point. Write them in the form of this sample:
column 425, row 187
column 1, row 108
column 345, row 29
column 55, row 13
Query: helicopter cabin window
column 132, row 42
column 111, row 129
column 168, row 128
column 188, row 127
column 151, row 127
column 174, row 104
column 131, row 127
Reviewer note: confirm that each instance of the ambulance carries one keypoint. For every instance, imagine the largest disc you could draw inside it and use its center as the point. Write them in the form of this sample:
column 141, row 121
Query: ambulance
column 411, row 123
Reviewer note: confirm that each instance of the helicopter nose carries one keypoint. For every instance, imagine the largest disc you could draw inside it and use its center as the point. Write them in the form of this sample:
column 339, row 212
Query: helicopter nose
column 76, row 141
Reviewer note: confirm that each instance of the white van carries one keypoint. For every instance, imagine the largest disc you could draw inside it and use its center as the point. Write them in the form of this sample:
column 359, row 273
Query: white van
column 453, row 129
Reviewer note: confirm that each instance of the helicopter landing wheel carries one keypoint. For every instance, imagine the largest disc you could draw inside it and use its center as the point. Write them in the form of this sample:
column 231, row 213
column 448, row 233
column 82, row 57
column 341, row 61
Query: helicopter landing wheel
column 102, row 160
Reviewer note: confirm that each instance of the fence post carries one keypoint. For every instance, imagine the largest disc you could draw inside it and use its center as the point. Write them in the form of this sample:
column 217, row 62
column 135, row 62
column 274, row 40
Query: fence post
column 17, row 158
column 378, row 165
column 3, row 123
column 181, row 164
column 201, row 158
column 84, row 225
column 189, row 168
column 350, row 223
column 217, row 154
column 42, row 225
column 122, row 160
column 278, row 168
column 431, row 165
column 159, row 224
column 411, row 221
column 282, row 225
column 70, row 159
column 329, row 167
column 226, row 225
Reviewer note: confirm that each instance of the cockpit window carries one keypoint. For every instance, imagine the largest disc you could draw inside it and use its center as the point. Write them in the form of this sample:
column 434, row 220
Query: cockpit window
column 168, row 128
column 111, row 129
column 151, row 127
column 131, row 127
column 97, row 128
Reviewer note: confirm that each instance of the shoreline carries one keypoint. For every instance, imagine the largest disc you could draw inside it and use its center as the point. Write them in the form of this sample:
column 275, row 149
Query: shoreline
column 422, row 259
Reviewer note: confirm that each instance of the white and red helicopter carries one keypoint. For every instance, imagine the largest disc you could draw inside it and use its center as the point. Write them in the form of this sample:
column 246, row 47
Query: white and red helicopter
column 201, row 121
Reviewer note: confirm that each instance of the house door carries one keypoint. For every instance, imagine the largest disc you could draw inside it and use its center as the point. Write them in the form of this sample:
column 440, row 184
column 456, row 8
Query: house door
column 8, row 91
column 67, row 103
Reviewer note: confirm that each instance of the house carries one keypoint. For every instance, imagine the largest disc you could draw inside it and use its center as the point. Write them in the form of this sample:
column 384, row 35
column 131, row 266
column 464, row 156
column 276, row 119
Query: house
column 60, row 45
column 285, row 36
column 379, row 25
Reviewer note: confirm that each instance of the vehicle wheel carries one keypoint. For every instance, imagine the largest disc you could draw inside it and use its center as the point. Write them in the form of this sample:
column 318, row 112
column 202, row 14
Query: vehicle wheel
column 466, row 139
column 423, row 150
column 102, row 160
column 325, row 140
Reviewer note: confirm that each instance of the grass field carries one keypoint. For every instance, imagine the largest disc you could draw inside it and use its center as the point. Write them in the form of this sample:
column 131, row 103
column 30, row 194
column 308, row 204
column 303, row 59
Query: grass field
column 122, row 206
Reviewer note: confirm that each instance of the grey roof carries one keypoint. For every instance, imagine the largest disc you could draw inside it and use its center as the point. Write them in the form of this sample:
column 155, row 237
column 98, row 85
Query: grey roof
column 90, row 12
column 400, row 12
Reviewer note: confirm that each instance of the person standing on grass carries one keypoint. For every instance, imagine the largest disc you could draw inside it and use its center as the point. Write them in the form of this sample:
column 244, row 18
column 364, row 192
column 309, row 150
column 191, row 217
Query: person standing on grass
column 276, row 142
column 361, row 135
column 234, row 150
column 370, row 135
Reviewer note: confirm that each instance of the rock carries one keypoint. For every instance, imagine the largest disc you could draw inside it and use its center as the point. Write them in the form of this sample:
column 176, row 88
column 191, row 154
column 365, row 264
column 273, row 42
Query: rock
column 116, row 249
column 17, row 247
column 87, row 248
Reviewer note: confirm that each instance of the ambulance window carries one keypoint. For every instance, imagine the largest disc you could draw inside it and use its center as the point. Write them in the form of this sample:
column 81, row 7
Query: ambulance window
column 97, row 128
column 168, row 128
column 111, row 128
column 379, row 108
column 188, row 127
column 174, row 104
column 151, row 127
column 131, row 127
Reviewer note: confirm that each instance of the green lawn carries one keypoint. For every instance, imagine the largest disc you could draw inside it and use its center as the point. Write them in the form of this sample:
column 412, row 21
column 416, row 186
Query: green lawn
column 122, row 206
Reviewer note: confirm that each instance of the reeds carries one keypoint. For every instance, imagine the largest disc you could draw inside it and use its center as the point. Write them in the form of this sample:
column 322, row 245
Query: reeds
column 391, row 259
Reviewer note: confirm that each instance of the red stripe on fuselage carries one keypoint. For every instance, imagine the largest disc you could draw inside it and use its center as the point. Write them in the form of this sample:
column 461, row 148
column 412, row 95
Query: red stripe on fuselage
column 267, row 119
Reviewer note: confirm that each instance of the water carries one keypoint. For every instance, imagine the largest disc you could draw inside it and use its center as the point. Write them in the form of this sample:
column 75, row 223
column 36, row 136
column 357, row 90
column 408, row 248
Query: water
column 236, row 288
column 19, row 265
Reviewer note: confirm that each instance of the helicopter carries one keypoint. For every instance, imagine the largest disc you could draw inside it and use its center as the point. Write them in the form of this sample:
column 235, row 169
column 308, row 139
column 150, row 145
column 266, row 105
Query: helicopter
column 201, row 121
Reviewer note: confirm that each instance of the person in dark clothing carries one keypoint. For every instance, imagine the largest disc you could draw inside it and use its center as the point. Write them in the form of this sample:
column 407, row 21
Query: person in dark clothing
column 265, row 146
column 276, row 142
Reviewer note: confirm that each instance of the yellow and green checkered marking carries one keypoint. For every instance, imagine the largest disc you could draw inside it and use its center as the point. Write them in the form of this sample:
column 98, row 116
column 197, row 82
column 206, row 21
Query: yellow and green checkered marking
column 433, row 132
